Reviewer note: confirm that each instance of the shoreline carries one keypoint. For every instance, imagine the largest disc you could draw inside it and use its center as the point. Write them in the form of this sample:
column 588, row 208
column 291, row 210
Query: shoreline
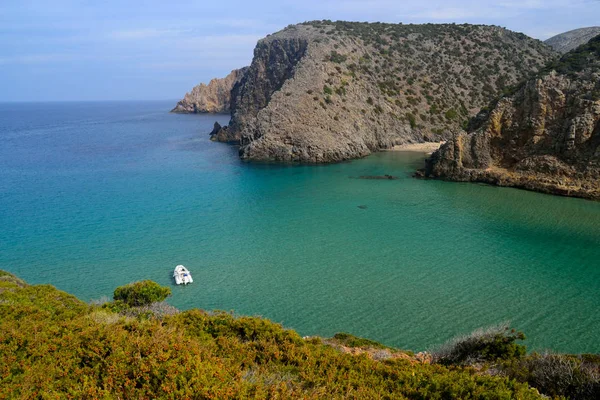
column 425, row 147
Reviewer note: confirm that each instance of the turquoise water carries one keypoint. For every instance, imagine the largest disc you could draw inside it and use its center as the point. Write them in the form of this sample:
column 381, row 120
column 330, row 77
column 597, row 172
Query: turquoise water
column 96, row 195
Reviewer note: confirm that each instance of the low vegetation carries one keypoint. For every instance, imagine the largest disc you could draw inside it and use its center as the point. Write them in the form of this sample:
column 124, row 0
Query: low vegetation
column 141, row 293
column 483, row 345
column 577, row 60
column 496, row 352
column 54, row 346
column 445, row 72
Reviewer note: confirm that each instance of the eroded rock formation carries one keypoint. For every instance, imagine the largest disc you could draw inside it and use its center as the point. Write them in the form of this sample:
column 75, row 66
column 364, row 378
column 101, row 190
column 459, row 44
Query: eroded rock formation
column 544, row 137
column 212, row 98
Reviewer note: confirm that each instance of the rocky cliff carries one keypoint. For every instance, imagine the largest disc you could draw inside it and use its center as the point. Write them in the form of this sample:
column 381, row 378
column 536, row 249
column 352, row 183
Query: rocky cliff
column 330, row 91
column 544, row 137
column 570, row 40
column 212, row 98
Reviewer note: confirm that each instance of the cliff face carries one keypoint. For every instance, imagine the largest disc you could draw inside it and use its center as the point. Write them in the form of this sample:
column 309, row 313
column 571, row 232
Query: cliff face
column 273, row 64
column 565, row 42
column 545, row 137
column 212, row 98
column 326, row 92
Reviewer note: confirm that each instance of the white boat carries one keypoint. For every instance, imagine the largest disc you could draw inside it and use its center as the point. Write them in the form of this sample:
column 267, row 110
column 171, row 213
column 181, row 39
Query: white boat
column 182, row 275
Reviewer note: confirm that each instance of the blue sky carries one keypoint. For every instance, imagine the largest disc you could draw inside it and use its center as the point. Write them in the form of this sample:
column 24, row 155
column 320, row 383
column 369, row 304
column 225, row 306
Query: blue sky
column 127, row 50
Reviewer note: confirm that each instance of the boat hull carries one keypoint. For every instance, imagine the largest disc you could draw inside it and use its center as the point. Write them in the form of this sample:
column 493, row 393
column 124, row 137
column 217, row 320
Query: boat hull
column 182, row 276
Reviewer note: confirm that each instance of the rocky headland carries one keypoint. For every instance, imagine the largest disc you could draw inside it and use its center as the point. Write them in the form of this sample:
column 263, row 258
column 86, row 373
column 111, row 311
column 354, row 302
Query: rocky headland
column 212, row 98
column 327, row 91
column 567, row 41
column 544, row 137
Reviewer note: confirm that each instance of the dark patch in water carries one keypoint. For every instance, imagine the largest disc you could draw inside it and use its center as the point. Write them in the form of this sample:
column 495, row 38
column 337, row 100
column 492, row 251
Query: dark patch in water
column 389, row 177
column 362, row 207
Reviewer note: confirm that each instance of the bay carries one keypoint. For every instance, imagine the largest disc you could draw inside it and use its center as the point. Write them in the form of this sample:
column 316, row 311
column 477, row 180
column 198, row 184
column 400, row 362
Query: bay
column 96, row 195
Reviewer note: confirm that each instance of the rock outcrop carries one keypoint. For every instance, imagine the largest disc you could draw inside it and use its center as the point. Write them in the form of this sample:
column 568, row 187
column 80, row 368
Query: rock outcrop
column 326, row 91
column 212, row 98
column 544, row 137
column 565, row 42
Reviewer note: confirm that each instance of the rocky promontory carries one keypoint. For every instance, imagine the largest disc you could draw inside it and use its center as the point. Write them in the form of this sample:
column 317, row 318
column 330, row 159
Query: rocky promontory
column 327, row 91
column 544, row 137
column 212, row 98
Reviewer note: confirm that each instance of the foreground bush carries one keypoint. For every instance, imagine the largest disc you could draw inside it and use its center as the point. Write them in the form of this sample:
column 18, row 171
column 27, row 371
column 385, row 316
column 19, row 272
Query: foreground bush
column 55, row 346
column 556, row 375
column 141, row 293
column 483, row 345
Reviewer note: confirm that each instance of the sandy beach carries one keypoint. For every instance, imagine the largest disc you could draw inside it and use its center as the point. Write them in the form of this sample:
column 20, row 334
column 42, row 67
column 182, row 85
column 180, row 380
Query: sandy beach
column 426, row 147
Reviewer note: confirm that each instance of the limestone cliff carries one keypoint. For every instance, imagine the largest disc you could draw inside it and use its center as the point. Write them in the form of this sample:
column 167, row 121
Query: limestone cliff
column 330, row 91
column 570, row 40
column 212, row 98
column 544, row 137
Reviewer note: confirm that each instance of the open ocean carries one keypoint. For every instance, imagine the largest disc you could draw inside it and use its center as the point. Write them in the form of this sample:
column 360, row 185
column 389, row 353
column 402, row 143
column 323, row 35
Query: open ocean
column 96, row 195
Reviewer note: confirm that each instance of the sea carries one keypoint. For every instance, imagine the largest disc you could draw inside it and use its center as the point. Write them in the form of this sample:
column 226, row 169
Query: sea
column 94, row 195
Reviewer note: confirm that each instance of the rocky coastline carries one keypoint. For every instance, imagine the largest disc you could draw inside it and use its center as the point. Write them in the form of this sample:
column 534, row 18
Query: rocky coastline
column 545, row 137
column 323, row 91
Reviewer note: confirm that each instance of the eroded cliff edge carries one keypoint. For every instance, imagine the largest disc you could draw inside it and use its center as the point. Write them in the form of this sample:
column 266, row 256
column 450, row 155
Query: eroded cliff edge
column 544, row 137
column 325, row 92
column 212, row 98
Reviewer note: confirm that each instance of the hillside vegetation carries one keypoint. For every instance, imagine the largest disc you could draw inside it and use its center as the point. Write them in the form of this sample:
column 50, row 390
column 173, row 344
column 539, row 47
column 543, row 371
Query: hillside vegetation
column 54, row 346
column 567, row 41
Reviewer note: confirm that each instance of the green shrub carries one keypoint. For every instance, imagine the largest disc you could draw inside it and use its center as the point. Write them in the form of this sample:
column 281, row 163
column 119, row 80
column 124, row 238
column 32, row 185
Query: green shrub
column 327, row 90
column 349, row 340
column 451, row 114
column 116, row 306
column 10, row 278
column 337, row 57
column 141, row 293
column 411, row 120
column 557, row 375
column 492, row 344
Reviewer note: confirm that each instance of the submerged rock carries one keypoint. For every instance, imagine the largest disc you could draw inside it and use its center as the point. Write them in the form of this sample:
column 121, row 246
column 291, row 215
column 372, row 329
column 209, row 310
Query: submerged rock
column 388, row 177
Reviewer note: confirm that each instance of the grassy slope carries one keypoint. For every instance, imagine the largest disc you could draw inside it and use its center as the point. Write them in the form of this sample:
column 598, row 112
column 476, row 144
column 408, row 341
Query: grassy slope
column 54, row 346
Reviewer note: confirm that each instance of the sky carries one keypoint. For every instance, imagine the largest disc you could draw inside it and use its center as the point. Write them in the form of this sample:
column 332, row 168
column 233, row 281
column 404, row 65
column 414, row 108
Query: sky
column 69, row 50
